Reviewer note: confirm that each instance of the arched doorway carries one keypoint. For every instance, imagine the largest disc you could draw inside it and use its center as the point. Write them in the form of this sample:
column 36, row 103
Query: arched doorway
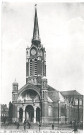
column 38, row 114
column 20, row 114
column 29, row 113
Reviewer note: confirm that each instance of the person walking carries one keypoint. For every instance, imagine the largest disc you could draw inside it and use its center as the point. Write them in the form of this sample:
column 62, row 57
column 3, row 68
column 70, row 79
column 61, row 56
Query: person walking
column 18, row 125
column 27, row 124
column 39, row 126
column 71, row 123
column 53, row 126
column 75, row 126
column 24, row 124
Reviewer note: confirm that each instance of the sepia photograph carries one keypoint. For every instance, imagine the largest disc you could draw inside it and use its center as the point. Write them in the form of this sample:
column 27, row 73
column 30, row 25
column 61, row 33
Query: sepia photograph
column 42, row 67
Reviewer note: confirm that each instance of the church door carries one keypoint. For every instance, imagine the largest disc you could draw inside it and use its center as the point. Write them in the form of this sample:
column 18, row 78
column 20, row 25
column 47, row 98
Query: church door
column 20, row 114
column 29, row 112
column 38, row 114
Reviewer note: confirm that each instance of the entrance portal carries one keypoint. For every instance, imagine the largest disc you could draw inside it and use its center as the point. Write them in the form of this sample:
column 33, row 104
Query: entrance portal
column 29, row 113
column 38, row 114
column 20, row 114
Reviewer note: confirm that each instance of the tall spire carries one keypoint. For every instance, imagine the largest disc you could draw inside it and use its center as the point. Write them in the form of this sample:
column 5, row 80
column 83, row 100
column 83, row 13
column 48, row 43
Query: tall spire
column 36, row 38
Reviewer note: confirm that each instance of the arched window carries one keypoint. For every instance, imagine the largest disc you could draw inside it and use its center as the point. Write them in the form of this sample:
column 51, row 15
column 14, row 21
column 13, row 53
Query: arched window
column 80, row 102
column 50, row 111
column 30, row 67
column 76, row 101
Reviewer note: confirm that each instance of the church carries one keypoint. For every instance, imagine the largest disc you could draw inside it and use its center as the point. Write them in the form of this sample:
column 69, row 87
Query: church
column 37, row 101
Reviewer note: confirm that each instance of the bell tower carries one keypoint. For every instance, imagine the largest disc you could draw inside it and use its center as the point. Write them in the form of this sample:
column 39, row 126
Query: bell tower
column 35, row 57
column 14, row 91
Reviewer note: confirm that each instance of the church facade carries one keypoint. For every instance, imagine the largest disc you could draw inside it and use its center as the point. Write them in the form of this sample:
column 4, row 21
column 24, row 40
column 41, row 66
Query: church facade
column 37, row 101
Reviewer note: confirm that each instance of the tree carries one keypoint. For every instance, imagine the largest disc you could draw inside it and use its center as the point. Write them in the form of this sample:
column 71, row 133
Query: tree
column 10, row 112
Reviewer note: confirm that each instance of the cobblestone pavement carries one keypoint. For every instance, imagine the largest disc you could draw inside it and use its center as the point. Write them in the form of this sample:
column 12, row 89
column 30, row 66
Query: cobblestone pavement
column 35, row 129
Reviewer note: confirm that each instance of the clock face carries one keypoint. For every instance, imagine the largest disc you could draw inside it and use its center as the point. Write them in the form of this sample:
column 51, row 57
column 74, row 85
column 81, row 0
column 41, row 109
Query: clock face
column 33, row 51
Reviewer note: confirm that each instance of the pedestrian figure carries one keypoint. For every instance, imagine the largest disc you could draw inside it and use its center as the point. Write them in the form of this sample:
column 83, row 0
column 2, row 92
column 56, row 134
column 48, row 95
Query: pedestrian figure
column 4, row 120
column 24, row 124
column 75, row 126
column 52, row 126
column 29, row 124
column 18, row 125
column 71, row 123
column 39, row 126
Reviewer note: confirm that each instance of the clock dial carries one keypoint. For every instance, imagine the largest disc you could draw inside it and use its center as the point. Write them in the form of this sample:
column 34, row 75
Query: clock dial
column 33, row 51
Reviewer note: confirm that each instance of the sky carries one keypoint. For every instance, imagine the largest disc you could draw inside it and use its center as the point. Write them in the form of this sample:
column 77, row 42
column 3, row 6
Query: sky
column 61, row 27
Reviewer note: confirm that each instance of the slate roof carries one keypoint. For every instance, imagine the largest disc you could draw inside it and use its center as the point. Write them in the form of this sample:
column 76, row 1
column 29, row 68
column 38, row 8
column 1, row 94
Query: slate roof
column 51, row 88
column 70, row 93
column 53, row 94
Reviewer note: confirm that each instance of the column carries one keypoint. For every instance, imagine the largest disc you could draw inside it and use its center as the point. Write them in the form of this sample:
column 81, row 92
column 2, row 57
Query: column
column 34, row 114
column 78, row 110
column 23, row 113
column 17, row 113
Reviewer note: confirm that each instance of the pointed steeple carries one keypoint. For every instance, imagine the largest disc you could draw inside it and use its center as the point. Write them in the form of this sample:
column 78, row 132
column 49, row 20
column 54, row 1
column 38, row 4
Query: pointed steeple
column 36, row 38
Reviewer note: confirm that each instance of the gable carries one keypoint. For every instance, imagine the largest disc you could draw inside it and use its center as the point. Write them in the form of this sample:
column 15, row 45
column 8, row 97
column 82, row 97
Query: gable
column 29, row 86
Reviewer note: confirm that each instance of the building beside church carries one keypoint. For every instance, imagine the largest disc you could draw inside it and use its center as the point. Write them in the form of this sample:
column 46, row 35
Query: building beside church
column 37, row 101
column 3, row 112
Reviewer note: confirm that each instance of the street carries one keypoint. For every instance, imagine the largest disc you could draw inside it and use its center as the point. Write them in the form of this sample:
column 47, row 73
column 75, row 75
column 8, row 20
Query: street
column 35, row 129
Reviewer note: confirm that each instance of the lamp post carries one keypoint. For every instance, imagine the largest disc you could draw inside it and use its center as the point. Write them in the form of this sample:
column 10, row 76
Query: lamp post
column 41, row 110
column 78, row 111
column 34, row 118
column 58, row 111
column 65, row 113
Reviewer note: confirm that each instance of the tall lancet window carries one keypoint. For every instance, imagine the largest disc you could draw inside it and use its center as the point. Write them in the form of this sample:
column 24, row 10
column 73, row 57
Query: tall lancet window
column 30, row 67
column 35, row 64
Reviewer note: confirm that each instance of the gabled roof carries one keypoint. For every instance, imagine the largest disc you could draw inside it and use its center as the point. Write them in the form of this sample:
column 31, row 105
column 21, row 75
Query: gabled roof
column 51, row 88
column 70, row 93
column 61, row 97
column 53, row 94
column 49, row 99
